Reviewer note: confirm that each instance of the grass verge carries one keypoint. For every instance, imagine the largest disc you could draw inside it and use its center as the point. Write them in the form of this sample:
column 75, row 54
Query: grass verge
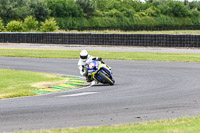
column 74, row 54
column 181, row 125
column 20, row 83
column 134, row 32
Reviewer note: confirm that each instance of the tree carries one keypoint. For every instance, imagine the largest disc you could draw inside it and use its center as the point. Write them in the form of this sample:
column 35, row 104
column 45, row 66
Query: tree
column 174, row 8
column 101, row 4
column 2, row 28
column 178, row 9
column 194, row 5
column 40, row 9
column 17, row 9
column 185, row 2
column 20, row 9
column 7, row 9
column 88, row 6
column 64, row 8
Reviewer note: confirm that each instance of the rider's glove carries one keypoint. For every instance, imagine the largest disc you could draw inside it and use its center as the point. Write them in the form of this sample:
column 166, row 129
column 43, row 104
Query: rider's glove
column 97, row 58
column 83, row 68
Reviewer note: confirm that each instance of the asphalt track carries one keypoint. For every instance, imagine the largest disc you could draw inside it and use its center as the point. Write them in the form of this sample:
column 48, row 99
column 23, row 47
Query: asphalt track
column 143, row 91
column 102, row 48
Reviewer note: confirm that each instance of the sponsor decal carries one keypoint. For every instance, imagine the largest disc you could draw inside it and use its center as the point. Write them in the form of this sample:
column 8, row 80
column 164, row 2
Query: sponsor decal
column 90, row 71
column 91, row 65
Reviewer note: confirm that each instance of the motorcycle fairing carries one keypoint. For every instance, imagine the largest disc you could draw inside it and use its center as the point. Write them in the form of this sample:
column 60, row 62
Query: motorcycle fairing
column 94, row 67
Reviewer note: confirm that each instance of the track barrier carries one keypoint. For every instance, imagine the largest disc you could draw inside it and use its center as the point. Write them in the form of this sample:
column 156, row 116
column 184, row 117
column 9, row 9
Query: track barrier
column 159, row 40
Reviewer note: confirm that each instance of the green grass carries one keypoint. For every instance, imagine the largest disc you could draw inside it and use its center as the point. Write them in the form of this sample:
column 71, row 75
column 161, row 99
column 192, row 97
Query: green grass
column 135, row 32
column 74, row 54
column 20, row 83
column 181, row 125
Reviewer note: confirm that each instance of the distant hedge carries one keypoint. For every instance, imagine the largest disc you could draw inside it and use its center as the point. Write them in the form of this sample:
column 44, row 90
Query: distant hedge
column 125, row 23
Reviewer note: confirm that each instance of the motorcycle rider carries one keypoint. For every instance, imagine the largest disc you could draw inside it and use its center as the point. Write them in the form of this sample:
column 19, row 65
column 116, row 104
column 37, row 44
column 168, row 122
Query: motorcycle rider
column 85, row 58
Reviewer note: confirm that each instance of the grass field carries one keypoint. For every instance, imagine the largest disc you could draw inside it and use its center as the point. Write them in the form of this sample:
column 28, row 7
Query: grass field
column 136, row 32
column 74, row 54
column 20, row 83
column 181, row 125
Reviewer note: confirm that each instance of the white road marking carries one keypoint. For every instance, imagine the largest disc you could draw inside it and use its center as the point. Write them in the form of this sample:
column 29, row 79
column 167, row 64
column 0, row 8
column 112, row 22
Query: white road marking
column 79, row 94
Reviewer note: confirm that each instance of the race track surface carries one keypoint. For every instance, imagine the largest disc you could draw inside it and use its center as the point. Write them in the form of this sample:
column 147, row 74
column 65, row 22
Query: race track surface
column 143, row 91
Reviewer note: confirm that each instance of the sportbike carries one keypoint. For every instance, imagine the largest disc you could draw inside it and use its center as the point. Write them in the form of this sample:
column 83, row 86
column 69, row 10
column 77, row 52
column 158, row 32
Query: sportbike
column 100, row 72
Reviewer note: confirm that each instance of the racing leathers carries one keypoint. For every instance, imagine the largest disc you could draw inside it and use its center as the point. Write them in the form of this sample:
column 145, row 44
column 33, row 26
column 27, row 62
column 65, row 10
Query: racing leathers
column 82, row 65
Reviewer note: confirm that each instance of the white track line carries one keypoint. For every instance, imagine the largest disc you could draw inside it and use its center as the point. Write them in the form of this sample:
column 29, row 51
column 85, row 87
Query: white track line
column 79, row 94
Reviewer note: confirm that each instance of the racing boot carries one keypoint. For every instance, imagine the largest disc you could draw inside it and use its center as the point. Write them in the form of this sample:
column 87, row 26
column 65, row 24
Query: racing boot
column 88, row 78
column 94, row 82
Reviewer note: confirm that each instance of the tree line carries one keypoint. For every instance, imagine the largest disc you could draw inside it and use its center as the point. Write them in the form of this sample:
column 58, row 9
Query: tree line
column 98, row 15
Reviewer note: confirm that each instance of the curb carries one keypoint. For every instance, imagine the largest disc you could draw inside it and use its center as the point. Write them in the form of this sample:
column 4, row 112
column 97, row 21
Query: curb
column 73, row 83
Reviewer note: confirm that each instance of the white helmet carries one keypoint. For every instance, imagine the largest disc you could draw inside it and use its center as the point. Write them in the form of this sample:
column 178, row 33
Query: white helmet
column 84, row 55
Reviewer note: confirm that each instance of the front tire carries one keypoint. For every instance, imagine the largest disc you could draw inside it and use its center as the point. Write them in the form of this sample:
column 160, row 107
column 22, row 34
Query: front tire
column 107, row 79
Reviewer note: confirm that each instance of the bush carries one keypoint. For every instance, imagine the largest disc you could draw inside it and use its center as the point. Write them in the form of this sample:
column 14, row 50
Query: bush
column 194, row 13
column 2, row 28
column 114, row 13
column 30, row 24
column 69, row 23
column 166, row 22
column 15, row 26
column 72, row 23
column 145, row 23
column 49, row 25
column 102, row 23
column 196, row 22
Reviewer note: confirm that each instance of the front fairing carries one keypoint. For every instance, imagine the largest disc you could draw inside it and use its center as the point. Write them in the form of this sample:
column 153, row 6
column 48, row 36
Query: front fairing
column 92, row 67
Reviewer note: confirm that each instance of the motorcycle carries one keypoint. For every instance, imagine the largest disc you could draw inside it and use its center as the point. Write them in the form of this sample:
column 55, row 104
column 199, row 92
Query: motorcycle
column 100, row 72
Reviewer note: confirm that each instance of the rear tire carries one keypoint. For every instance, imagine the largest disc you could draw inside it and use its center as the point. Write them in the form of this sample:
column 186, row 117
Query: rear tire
column 107, row 79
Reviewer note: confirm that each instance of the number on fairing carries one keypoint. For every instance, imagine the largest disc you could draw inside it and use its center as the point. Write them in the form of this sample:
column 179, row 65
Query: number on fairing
column 91, row 65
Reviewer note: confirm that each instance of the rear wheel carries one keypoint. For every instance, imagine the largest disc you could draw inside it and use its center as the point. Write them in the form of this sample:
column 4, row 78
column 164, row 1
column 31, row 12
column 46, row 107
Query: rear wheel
column 107, row 79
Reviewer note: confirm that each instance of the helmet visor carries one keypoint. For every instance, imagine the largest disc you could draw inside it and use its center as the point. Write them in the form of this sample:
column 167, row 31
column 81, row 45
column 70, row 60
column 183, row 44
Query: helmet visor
column 83, row 57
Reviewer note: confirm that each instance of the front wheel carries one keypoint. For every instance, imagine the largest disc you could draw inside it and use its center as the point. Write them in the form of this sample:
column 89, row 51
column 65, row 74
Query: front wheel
column 107, row 79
